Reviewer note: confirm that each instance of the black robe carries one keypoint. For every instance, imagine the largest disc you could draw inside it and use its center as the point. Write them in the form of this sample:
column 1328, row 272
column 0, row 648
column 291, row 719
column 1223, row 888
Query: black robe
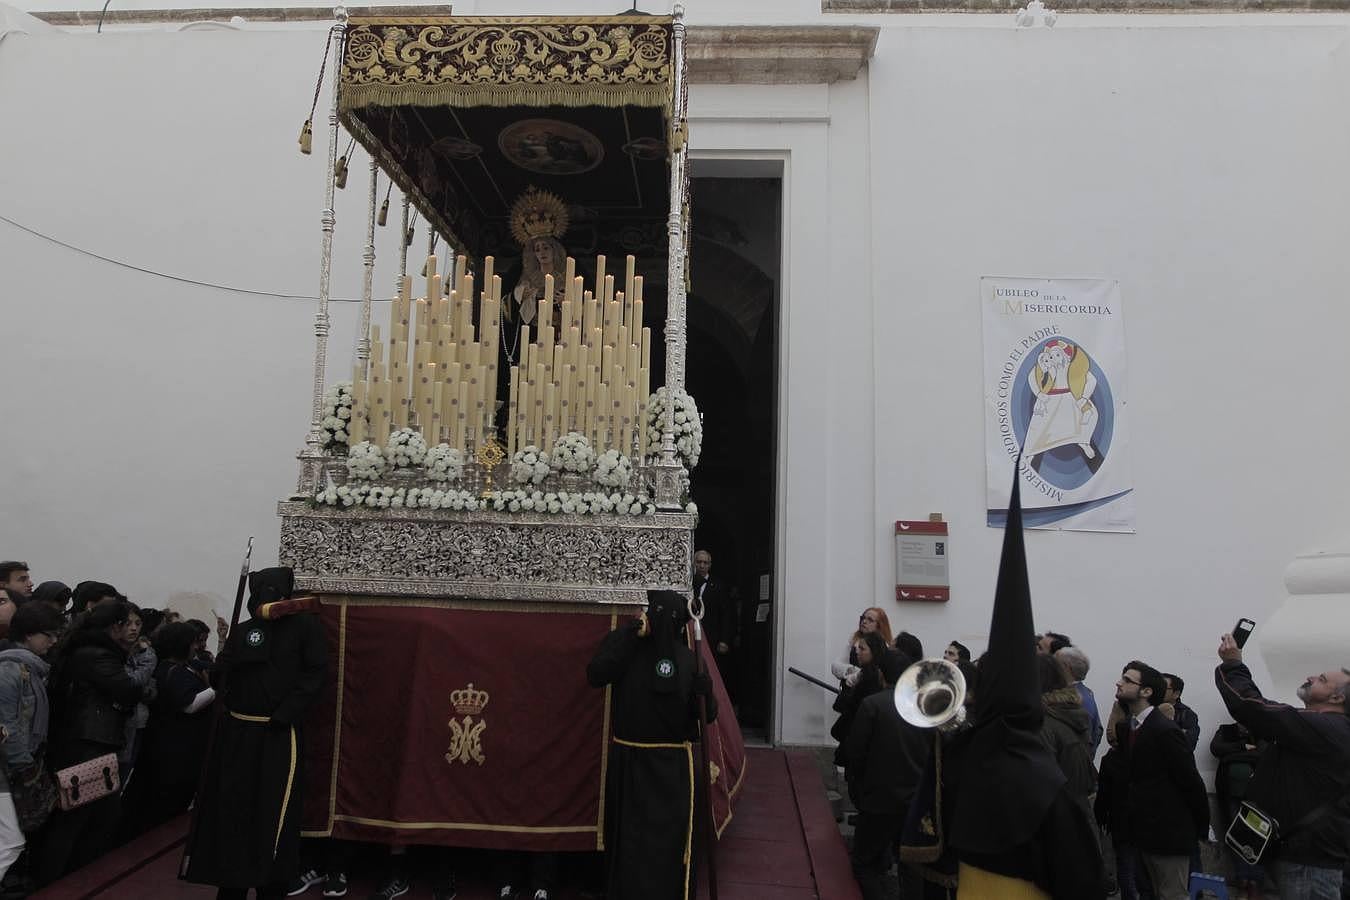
column 248, row 826
column 649, row 790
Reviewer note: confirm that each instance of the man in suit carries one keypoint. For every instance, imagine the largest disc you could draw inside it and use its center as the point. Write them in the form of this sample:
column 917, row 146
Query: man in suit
column 719, row 616
column 1166, row 806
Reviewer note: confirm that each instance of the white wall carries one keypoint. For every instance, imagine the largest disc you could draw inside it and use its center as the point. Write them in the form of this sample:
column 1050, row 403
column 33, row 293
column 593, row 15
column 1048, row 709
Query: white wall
column 149, row 425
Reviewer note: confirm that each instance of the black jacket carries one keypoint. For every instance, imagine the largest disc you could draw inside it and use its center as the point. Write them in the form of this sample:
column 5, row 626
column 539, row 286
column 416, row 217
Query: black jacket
column 1306, row 766
column 719, row 616
column 885, row 757
column 1189, row 723
column 1166, row 806
column 274, row 668
column 91, row 695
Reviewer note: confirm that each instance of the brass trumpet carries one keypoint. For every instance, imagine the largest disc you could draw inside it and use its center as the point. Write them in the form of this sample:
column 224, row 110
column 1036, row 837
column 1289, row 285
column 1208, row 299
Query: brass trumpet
column 931, row 694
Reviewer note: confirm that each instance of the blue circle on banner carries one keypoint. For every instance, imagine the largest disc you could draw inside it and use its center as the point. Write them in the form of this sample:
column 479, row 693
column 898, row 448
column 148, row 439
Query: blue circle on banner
column 1067, row 466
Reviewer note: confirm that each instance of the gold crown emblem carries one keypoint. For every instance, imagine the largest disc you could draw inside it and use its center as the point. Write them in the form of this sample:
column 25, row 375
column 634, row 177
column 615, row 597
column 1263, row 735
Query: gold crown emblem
column 469, row 702
column 538, row 214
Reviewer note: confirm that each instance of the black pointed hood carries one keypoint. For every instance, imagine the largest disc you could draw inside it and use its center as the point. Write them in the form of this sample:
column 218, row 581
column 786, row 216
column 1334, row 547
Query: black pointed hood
column 1009, row 778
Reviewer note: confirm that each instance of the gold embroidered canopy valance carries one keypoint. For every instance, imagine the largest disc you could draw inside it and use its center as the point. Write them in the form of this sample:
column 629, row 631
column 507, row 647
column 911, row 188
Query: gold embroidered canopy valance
column 471, row 61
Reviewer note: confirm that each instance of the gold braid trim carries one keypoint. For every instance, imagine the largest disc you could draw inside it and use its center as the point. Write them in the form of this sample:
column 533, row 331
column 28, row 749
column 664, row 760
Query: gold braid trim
column 362, row 95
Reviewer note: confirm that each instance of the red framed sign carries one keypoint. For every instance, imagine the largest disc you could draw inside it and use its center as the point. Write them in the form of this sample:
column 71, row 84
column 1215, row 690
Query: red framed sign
column 921, row 561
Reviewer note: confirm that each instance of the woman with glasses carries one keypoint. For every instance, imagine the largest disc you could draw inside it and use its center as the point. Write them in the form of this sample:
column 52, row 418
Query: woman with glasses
column 872, row 621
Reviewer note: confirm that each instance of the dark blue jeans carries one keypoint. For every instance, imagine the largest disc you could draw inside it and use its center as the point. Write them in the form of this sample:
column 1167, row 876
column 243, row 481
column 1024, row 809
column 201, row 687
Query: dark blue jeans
column 1300, row 882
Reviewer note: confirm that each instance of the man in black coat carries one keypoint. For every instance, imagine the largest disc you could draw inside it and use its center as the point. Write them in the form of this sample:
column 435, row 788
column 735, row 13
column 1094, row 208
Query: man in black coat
column 1303, row 778
column 649, row 795
column 885, row 761
column 720, row 622
column 270, row 672
column 1183, row 715
column 1166, row 806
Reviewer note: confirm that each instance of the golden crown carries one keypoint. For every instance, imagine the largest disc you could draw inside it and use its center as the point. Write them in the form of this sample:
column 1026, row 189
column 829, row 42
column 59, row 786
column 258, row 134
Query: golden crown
column 538, row 214
column 468, row 702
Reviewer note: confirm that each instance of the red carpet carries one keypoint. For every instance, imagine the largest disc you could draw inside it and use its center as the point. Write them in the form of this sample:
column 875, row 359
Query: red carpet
column 783, row 843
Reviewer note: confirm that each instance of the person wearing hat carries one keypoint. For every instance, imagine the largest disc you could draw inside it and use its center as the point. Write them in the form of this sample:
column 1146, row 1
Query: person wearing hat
column 247, row 833
column 649, row 794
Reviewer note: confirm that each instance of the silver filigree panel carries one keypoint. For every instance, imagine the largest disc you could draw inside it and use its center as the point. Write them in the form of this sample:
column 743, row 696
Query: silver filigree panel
column 487, row 555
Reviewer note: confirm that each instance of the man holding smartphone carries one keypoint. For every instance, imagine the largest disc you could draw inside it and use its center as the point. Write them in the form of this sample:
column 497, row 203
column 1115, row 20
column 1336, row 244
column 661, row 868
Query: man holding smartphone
column 1303, row 779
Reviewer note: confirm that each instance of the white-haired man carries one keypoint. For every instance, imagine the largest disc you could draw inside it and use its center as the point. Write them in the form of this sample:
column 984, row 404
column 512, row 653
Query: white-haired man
column 1303, row 779
column 1076, row 662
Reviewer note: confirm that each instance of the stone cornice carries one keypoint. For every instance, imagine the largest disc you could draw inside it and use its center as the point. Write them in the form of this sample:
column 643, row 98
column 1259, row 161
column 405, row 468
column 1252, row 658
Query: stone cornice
column 779, row 54
column 718, row 54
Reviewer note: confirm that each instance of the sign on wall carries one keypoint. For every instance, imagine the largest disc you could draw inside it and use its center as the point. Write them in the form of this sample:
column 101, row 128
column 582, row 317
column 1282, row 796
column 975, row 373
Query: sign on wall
column 1054, row 372
column 921, row 561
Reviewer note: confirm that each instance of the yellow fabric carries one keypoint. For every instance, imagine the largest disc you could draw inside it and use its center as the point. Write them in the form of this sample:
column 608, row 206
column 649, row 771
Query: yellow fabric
column 978, row 884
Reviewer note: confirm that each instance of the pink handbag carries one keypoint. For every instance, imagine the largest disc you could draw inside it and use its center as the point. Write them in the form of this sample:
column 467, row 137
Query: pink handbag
column 88, row 781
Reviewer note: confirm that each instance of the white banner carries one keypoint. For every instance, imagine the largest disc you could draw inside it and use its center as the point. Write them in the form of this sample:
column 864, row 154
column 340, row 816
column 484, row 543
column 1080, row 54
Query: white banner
column 1054, row 374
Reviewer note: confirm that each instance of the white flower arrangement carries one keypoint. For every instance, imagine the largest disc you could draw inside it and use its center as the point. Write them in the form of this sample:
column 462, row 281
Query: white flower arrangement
column 529, row 465
column 572, row 453
column 595, row 503
column 444, row 463
column 613, row 469
column 436, row 498
column 688, row 425
column 365, row 462
column 589, row 503
column 406, row 448
column 337, row 416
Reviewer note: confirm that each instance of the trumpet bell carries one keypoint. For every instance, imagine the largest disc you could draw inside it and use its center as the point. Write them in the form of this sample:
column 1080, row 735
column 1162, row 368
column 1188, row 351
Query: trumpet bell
column 931, row 694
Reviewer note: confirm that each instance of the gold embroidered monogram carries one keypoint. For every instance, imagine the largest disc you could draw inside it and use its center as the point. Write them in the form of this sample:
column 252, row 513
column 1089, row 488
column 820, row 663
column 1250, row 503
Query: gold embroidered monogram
column 466, row 735
column 468, row 61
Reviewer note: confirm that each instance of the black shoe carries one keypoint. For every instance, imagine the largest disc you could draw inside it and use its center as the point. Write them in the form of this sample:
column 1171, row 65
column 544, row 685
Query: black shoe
column 303, row 882
column 394, row 887
column 335, row 885
column 445, row 890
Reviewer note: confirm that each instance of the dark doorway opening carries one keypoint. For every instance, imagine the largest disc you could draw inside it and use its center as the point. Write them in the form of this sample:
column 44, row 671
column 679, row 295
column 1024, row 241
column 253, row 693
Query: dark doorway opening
column 735, row 267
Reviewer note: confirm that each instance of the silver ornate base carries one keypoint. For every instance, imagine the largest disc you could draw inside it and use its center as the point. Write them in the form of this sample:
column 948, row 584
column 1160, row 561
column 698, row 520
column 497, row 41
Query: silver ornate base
column 486, row 554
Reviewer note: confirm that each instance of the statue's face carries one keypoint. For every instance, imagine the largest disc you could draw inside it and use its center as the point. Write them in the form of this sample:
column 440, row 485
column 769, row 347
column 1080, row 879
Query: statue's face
column 543, row 251
column 1052, row 358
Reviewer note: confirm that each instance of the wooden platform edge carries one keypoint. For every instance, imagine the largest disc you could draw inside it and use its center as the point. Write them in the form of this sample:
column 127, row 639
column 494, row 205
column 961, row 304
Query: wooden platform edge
column 830, row 865
column 119, row 863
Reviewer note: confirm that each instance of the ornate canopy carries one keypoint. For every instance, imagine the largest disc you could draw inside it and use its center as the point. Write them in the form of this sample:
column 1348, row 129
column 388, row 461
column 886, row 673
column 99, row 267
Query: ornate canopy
column 466, row 113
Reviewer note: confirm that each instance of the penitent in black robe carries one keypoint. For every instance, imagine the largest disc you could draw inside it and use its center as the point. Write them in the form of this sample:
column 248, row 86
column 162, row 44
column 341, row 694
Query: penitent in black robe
column 649, row 791
column 248, row 828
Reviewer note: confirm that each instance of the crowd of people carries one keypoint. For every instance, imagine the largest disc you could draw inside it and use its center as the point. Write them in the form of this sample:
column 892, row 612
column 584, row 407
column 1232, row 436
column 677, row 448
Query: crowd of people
column 1146, row 795
column 85, row 673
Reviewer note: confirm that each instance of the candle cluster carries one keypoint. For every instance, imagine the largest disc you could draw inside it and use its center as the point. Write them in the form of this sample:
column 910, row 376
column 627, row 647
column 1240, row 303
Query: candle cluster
column 438, row 372
column 593, row 376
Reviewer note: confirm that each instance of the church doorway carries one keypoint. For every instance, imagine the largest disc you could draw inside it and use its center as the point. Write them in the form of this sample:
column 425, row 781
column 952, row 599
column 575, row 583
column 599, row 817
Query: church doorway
column 735, row 270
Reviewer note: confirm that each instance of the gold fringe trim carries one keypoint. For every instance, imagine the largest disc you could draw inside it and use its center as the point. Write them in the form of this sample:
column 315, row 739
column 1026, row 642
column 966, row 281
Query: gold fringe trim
column 244, row 717
column 357, row 96
column 483, row 605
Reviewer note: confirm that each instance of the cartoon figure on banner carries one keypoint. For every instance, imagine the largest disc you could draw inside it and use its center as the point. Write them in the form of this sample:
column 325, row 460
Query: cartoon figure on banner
column 1064, row 413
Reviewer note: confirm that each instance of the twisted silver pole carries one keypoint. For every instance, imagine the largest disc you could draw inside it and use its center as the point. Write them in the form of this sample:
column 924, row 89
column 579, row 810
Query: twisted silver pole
column 368, row 279
column 670, row 472
column 311, row 457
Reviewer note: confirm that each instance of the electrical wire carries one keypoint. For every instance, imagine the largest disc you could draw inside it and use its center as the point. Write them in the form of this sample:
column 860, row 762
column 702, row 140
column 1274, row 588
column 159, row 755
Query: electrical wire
column 178, row 278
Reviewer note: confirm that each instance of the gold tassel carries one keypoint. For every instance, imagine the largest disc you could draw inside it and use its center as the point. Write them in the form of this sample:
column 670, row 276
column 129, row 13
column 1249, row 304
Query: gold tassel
column 383, row 217
column 340, row 172
column 307, row 137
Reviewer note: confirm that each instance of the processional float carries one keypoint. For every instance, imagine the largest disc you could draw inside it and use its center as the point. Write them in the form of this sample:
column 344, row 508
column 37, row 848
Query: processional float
column 498, row 484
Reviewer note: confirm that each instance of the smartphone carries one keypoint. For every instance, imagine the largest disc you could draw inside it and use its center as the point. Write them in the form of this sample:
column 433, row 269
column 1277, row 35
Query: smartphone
column 1242, row 630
